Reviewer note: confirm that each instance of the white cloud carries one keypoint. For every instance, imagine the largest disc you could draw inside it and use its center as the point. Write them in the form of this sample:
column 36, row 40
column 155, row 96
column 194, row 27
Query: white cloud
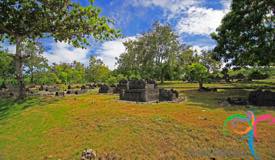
column 112, row 49
column 173, row 6
column 199, row 49
column 5, row 46
column 226, row 4
column 64, row 53
column 200, row 21
column 11, row 49
column 190, row 16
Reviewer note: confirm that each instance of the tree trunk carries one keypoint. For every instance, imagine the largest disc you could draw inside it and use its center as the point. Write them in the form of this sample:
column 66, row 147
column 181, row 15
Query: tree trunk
column 200, row 85
column 19, row 69
column 31, row 72
column 161, row 77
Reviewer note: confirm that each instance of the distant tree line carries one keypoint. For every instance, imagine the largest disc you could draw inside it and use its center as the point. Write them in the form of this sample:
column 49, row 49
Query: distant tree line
column 37, row 70
column 157, row 54
column 245, row 45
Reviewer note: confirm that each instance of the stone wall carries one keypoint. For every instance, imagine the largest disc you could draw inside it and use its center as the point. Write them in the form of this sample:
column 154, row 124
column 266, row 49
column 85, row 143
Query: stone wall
column 262, row 98
column 139, row 91
column 168, row 95
column 105, row 89
column 140, row 95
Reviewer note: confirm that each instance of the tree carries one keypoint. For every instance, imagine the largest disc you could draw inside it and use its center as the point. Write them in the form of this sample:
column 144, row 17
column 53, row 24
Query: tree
column 78, row 73
column 35, row 62
column 64, row 20
column 212, row 65
column 152, row 55
column 97, row 71
column 63, row 71
column 7, row 65
column 70, row 73
column 198, row 72
column 186, row 57
column 246, row 35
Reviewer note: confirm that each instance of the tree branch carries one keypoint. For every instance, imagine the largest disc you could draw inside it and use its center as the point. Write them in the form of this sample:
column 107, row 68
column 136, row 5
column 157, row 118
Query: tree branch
column 2, row 28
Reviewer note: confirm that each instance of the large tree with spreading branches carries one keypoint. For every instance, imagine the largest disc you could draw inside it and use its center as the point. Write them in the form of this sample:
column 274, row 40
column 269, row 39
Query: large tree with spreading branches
column 64, row 20
column 247, row 33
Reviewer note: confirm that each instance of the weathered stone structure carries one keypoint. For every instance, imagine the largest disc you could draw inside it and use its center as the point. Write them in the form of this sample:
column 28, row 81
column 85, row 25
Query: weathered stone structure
column 262, row 98
column 90, row 86
column 49, row 88
column 88, row 154
column 140, row 91
column 122, row 85
column 106, row 89
column 60, row 94
column 81, row 91
column 168, row 95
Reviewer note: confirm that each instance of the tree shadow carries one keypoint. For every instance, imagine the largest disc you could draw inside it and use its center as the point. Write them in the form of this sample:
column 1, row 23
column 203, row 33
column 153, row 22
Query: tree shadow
column 11, row 106
column 214, row 100
column 255, row 85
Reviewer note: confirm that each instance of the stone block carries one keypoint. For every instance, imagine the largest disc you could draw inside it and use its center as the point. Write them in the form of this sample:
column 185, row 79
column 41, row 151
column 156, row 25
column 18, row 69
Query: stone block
column 105, row 89
column 168, row 95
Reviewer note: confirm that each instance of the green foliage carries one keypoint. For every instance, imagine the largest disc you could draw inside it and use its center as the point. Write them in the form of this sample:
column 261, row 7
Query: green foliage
column 246, row 35
column 120, row 77
column 64, row 20
column 35, row 62
column 7, row 69
column 197, row 72
column 46, row 77
column 70, row 73
column 111, row 80
column 185, row 58
column 134, row 76
column 212, row 65
column 257, row 74
column 97, row 71
column 152, row 55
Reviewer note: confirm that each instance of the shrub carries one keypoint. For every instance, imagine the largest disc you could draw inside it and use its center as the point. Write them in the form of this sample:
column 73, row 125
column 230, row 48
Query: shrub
column 258, row 74
column 111, row 80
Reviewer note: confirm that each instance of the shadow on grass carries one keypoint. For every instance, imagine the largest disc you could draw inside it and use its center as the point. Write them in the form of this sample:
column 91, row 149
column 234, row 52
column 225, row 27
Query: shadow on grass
column 214, row 100
column 10, row 106
column 255, row 85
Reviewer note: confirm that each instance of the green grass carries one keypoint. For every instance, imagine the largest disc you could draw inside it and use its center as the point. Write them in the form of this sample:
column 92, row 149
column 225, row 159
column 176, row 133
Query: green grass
column 61, row 128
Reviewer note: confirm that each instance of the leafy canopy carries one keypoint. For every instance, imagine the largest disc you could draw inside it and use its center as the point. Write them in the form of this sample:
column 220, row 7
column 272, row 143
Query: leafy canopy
column 152, row 55
column 246, row 35
column 197, row 72
column 62, row 19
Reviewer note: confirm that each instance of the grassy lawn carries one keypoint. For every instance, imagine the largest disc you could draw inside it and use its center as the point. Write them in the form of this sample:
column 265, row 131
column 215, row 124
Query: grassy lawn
column 61, row 128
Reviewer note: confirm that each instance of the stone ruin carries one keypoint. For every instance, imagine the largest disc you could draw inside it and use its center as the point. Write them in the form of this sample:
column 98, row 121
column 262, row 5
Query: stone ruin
column 49, row 88
column 88, row 154
column 106, row 89
column 144, row 91
column 262, row 98
column 79, row 90
column 8, row 91
column 168, row 95
column 140, row 91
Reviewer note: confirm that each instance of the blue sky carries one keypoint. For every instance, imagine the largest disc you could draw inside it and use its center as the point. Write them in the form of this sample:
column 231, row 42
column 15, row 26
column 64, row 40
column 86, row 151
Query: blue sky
column 192, row 20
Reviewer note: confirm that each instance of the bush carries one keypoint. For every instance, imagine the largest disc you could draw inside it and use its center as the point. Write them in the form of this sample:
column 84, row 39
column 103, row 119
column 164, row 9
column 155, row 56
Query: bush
column 111, row 80
column 257, row 74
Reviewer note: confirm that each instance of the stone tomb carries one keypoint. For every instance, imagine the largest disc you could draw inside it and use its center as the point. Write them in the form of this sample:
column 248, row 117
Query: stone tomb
column 139, row 91
column 122, row 85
